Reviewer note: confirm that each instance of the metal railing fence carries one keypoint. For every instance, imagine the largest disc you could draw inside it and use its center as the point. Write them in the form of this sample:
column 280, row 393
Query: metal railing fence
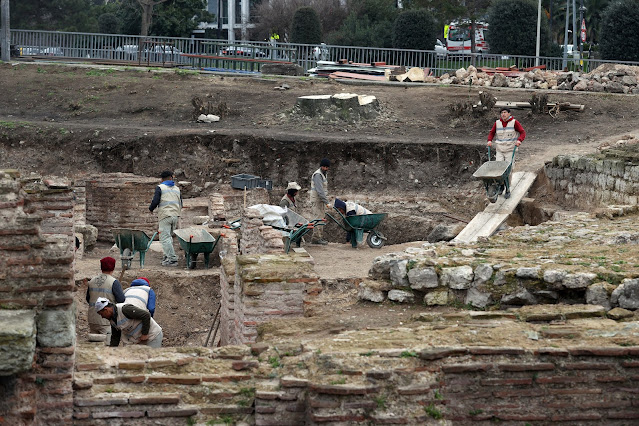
column 251, row 55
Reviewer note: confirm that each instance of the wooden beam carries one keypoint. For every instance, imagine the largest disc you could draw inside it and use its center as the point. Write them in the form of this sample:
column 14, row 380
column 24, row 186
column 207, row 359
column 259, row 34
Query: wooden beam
column 485, row 223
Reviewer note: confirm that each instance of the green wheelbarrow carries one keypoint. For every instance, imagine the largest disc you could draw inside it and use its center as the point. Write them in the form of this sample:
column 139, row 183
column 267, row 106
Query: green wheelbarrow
column 359, row 225
column 194, row 241
column 130, row 241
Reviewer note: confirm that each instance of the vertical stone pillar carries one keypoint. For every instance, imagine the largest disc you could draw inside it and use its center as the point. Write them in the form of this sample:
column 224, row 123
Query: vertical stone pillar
column 269, row 287
column 36, row 277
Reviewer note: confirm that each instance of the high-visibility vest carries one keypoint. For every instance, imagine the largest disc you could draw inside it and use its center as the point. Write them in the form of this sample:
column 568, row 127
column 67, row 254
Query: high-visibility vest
column 100, row 286
column 137, row 296
column 314, row 195
column 132, row 329
column 170, row 202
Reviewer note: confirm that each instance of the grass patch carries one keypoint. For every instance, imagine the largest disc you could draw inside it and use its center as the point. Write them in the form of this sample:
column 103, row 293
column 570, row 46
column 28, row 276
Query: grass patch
column 380, row 401
column 183, row 73
column 274, row 361
column 338, row 381
column 433, row 411
column 408, row 354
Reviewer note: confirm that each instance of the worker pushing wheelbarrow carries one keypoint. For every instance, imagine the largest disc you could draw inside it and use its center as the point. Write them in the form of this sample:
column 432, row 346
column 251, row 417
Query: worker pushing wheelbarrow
column 496, row 177
column 359, row 224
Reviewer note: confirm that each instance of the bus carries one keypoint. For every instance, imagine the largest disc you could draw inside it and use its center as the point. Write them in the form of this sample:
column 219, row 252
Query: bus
column 458, row 37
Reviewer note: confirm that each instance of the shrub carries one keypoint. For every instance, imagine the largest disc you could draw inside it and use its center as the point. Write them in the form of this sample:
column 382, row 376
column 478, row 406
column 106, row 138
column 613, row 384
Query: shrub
column 306, row 27
column 619, row 34
column 415, row 29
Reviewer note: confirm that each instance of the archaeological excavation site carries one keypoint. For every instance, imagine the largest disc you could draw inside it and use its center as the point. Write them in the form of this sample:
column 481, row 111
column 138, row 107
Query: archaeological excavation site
column 457, row 306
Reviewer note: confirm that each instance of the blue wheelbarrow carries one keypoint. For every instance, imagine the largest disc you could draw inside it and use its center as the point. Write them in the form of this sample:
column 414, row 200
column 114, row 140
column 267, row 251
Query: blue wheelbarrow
column 131, row 241
column 496, row 177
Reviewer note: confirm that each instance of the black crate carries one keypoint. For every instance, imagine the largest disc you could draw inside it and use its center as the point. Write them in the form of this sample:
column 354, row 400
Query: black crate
column 266, row 184
column 245, row 181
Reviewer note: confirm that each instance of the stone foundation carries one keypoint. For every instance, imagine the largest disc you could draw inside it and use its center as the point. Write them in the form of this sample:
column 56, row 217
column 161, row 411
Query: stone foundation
column 36, row 291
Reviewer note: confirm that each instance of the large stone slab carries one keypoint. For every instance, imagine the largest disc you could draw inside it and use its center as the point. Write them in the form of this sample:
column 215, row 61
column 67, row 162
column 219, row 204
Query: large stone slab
column 17, row 341
column 56, row 328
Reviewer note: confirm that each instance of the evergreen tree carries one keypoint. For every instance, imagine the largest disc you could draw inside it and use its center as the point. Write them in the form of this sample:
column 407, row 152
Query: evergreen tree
column 619, row 36
column 306, row 27
column 415, row 29
column 513, row 28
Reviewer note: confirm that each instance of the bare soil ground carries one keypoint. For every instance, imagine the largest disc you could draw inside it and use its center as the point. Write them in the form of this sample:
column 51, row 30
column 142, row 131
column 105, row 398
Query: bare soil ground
column 76, row 120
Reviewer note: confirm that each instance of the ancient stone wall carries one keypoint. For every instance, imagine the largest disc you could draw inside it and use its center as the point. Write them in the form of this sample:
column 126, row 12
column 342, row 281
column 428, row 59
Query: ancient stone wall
column 36, row 300
column 588, row 181
column 228, row 252
column 120, row 200
column 293, row 384
column 270, row 287
column 257, row 237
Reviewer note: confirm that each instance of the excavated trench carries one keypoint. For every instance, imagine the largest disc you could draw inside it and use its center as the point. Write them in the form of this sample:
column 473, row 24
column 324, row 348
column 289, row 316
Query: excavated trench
column 418, row 185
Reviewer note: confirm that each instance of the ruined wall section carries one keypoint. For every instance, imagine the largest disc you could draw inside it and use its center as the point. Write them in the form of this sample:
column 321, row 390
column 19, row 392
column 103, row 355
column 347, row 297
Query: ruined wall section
column 36, row 280
column 270, row 287
column 585, row 182
column 293, row 384
column 120, row 200
column 257, row 237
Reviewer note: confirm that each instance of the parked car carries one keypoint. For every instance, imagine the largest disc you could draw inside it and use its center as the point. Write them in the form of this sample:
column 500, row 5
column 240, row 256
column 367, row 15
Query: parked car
column 13, row 51
column 30, row 51
column 440, row 49
column 52, row 51
column 243, row 51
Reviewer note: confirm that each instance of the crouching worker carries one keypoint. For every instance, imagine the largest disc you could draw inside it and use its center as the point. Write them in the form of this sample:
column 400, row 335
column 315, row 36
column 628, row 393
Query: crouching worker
column 141, row 295
column 133, row 324
column 348, row 208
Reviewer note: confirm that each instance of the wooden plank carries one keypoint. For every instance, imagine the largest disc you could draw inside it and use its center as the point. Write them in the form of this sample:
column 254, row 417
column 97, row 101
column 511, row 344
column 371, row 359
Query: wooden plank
column 524, row 105
column 352, row 75
column 480, row 223
column 485, row 223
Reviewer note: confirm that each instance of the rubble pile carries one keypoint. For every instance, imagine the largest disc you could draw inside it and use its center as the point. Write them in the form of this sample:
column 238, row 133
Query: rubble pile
column 605, row 78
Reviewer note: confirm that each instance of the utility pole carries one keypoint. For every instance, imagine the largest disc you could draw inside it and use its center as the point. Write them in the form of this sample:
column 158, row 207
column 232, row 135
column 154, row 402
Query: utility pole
column 219, row 19
column 582, row 33
column 5, row 33
column 564, row 63
column 538, row 34
column 575, row 36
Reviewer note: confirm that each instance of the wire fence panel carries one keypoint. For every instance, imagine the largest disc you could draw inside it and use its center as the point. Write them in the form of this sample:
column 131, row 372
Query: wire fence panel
column 250, row 56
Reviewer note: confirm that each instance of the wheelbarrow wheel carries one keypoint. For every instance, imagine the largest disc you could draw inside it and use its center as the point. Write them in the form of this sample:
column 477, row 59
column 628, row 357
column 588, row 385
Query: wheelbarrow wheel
column 492, row 192
column 126, row 258
column 191, row 260
column 375, row 240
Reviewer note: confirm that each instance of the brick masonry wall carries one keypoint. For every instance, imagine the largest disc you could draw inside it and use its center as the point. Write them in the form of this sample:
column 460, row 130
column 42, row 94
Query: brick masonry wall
column 269, row 287
column 120, row 200
column 257, row 237
column 36, row 273
column 292, row 384
column 228, row 252
column 586, row 181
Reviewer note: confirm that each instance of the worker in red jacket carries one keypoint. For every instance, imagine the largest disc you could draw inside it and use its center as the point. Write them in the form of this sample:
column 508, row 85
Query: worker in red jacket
column 507, row 133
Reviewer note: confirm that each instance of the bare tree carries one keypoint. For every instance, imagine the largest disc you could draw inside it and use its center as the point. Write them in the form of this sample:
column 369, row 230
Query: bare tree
column 276, row 16
column 147, row 14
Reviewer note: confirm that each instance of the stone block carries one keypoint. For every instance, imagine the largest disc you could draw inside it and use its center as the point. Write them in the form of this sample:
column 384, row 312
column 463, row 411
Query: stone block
column 401, row 296
column 18, row 337
column 422, row 278
column 436, row 297
column 56, row 328
column 458, row 277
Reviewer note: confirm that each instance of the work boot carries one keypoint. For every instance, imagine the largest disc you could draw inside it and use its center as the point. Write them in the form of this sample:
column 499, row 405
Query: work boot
column 320, row 242
column 507, row 194
column 170, row 263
